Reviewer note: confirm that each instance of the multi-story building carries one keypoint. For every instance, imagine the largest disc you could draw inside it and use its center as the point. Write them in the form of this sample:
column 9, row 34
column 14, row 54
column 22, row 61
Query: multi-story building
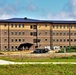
column 41, row 33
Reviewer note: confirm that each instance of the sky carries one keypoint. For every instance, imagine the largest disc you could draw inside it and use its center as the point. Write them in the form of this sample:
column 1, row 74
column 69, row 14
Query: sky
column 38, row 9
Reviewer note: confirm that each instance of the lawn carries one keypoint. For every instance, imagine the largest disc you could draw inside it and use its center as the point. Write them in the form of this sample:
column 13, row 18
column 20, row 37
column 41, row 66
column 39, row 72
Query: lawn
column 38, row 69
column 38, row 59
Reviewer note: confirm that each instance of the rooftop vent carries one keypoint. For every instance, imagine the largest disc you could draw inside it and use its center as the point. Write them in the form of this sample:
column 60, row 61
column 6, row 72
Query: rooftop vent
column 25, row 18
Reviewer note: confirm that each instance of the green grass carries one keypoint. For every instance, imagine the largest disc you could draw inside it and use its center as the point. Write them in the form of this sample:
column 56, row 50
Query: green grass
column 38, row 69
column 37, row 59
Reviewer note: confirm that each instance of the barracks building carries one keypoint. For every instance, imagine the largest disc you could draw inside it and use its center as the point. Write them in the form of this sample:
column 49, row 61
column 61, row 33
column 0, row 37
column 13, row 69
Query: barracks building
column 41, row 33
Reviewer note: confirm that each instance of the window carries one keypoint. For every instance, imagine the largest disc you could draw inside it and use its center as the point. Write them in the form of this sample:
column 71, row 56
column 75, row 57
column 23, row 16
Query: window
column 45, row 25
column 67, row 39
column 74, row 40
column 71, row 27
column 74, row 33
column 74, row 27
column 23, row 33
column 45, row 32
column 5, row 32
column 19, row 25
column 64, row 40
column 12, row 47
column 19, row 40
column 60, row 33
column 5, row 40
column 19, row 33
column 15, row 40
column 64, row 33
column 22, row 25
column 60, row 40
column 12, row 40
column 5, row 25
column 34, row 33
column 57, row 26
column 53, row 26
column 16, row 25
column 31, row 26
column 31, row 33
column 15, row 33
column 71, row 33
column 60, row 46
column 12, row 33
column 64, row 26
column 15, row 47
column 23, row 40
column 45, row 39
column 35, row 27
column 60, row 27
column 12, row 25
column 56, row 33
column 53, row 40
column 5, row 47
column 35, row 40
column 71, row 40
column 53, row 33
column 57, row 40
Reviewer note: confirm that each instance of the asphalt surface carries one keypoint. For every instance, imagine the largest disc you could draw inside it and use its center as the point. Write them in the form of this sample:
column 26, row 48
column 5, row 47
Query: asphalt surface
column 4, row 62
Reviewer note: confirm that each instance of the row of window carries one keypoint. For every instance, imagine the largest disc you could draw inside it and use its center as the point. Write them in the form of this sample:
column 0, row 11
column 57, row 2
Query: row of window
column 15, row 40
column 16, row 33
column 65, row 26
column 64, row 33
column 63, row 40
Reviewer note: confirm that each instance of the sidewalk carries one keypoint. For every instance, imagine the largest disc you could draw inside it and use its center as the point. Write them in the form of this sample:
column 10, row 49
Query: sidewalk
column 3, row 62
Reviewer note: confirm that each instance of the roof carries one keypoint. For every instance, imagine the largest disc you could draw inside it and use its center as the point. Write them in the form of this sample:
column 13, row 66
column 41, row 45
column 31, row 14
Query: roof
column 27, row 20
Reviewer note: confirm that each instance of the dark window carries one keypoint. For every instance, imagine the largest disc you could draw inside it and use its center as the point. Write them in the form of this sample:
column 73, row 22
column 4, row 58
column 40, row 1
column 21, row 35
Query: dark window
column 60, row 33
column 19, row 33
column 56, row 33
column 45, row 32
column 5, row 32
column 67, row 39
column 12, row 25
column 12, row 47
column 35, row 40
column 45, row 25
column 12, row 33
column 71, row 40
column 19, row 40
column 57, row 40
column 60, row 46
column 71, row 33
column 31, row 26
column 23, row 33
column 64, row 33
column 5, row 25
column 12, row 40
column 75, row 27
column 15, row 47
column 74, row 40
column 53, row 40
column 31, row 33
column 64, row 26
column 15, row 33
column 57, row 26
column 22, row 25
column 74, row 33
column 35, row 27
column 60, row 27
column 64, row 40
column 23, row 40
column 53, row 33
column 45, row 39
column 5, row 40
column 53, row 26
column 15, row 40
column 60, row 40
column 5, row 47
column 16, row 25
column 34, row 33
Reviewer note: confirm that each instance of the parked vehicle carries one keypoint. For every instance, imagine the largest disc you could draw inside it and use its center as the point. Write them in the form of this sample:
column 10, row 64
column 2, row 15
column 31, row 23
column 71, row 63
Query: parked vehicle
column 41, row 50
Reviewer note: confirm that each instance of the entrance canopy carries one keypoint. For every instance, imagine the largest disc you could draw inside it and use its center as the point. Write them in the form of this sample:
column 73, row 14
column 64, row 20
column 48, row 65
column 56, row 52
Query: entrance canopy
column 24, row 46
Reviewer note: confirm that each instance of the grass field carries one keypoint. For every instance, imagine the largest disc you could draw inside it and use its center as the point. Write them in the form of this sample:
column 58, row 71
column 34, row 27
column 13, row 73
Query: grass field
column 38, row 69
column 35, row 59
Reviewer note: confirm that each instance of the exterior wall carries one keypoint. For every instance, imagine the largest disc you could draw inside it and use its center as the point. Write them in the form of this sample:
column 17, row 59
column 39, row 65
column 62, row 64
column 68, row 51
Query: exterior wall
column 14, row 34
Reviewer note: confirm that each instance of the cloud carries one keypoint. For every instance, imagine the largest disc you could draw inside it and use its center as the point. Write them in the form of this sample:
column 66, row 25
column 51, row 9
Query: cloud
column 68, row 13
column 31, row 7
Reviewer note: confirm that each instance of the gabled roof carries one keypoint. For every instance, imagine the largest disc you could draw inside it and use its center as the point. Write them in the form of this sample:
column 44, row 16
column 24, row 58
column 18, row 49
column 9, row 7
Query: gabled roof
column 27, row 20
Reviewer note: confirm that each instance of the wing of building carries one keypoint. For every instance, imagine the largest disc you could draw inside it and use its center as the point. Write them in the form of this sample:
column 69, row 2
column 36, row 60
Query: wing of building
column 40, row 33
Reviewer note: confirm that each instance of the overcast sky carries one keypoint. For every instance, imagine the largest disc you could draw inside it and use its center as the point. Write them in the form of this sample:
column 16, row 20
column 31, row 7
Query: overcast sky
column 38, row 9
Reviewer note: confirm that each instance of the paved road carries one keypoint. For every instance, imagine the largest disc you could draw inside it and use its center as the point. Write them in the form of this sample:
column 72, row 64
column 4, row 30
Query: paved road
column 3, row 62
